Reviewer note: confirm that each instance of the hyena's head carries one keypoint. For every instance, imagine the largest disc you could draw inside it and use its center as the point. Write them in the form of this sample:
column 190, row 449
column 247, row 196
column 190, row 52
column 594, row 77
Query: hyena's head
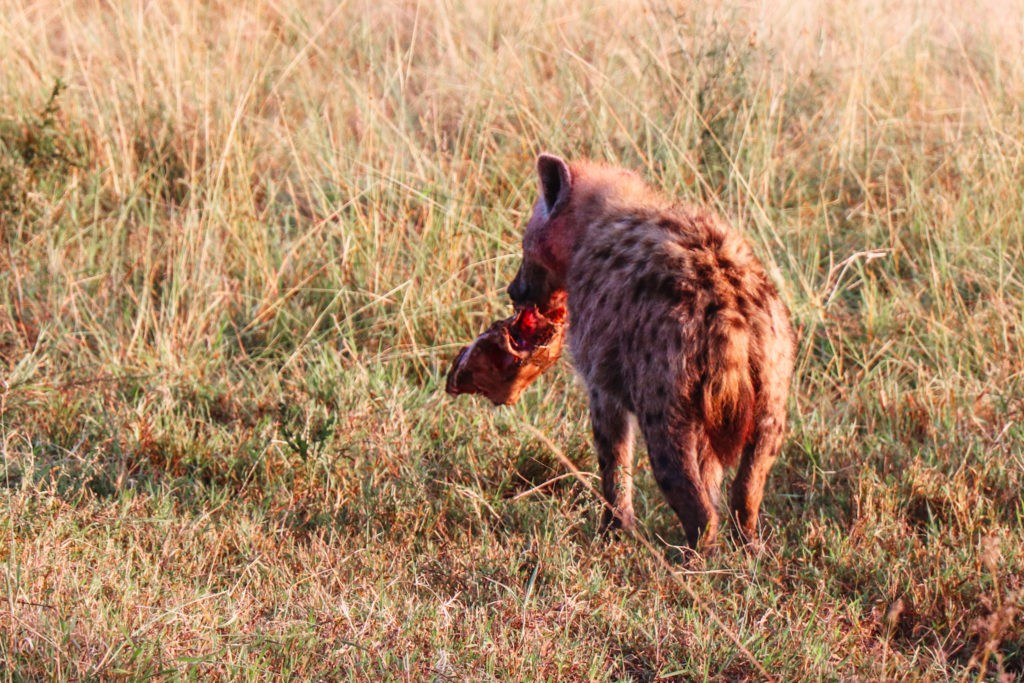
column 548, row 239
column 571, row 199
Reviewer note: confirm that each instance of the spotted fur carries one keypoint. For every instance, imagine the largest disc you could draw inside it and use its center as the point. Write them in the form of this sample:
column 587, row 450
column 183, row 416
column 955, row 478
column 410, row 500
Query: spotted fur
column 676, row 329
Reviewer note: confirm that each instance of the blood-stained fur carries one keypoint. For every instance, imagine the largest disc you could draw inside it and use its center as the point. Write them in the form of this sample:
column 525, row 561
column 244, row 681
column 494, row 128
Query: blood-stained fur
column 675, row 327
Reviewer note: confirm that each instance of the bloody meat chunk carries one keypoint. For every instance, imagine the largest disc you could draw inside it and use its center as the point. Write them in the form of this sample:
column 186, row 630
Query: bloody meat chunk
column 509, row 356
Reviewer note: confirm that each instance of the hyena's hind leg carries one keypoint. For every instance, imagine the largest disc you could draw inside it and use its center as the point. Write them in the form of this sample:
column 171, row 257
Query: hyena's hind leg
column 676, row 466
column 774, row 375
column 748, row 486
column 711, row 472
column 614, row 430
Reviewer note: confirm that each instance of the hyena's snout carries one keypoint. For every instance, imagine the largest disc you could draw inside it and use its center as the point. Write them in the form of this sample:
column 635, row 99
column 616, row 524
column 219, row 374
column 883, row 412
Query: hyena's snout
column 518, row 289
column 534, row 285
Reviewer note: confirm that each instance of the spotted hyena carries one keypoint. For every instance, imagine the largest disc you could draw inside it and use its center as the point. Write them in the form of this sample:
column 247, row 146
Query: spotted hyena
column 674, row 326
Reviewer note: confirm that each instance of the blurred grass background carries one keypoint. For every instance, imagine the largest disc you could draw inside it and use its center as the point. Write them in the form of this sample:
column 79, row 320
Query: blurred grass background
column 242, row 241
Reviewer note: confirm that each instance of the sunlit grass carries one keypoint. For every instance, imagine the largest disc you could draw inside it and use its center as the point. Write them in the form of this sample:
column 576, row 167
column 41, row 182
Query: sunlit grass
column 241, row 243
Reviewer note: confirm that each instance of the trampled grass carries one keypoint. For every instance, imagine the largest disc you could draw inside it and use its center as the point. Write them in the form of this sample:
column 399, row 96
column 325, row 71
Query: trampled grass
column 242, row 241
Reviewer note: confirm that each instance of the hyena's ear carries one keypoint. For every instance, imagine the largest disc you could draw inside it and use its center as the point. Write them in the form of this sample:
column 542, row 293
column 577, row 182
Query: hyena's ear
column 555, row 183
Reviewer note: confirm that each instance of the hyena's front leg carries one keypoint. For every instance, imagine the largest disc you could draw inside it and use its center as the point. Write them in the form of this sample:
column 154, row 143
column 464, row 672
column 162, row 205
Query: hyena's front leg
column 613, row 441
column 748, row 486
column 674, row 463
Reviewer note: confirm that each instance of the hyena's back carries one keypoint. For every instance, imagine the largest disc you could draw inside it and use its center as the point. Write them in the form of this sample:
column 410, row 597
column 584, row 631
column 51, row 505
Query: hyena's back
column 674, row 320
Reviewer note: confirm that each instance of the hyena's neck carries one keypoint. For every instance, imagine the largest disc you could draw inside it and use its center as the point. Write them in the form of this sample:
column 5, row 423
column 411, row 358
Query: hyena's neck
column 600, row 193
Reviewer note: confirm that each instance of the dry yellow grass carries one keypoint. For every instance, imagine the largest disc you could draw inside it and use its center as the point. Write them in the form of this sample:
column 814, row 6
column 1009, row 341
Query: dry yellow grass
column 240, row 242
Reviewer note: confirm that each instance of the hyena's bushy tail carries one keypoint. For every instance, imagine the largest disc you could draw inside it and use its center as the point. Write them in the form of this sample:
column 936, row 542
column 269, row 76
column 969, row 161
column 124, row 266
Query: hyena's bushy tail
column 728, row 400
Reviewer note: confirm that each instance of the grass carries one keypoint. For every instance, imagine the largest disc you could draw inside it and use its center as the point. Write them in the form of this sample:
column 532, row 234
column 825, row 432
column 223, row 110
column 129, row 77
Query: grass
column 241, row 243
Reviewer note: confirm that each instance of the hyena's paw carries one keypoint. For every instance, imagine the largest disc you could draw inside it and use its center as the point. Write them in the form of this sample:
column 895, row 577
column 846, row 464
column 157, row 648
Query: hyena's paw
column 620, row 521
column 709, row 543
column 746, row 534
